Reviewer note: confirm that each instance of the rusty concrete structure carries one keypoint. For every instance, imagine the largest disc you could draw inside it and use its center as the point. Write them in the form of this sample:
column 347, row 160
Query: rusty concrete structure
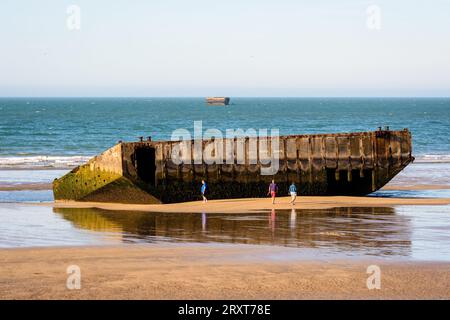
column 355, row 163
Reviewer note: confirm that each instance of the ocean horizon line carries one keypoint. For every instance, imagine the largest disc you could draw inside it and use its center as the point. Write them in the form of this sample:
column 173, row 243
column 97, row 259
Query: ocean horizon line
column 233, row 97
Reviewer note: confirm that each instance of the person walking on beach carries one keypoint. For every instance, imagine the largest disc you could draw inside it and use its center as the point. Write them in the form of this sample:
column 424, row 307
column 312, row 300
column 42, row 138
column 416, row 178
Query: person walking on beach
column 273, row 189
column 293, row 192
column 204, row 190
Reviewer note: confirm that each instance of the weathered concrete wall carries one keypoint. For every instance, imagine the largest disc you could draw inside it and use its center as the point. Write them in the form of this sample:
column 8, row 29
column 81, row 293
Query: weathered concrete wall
column 304, row 152
column 345, row 163
column 97, row 173
column 109, row 161
column 81, row 182
column 101, row 179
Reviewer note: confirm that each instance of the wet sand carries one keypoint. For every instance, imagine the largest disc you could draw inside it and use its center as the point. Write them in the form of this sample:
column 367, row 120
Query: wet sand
column 257, row 205
column 219, row 271
column 204, row 272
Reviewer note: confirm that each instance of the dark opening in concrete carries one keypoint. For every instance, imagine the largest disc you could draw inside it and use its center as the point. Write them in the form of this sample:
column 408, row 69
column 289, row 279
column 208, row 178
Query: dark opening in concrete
column 359, row 185
column 145, row 163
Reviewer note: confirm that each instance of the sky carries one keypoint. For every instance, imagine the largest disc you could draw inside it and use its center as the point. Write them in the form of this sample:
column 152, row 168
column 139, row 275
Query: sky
column 225, row 48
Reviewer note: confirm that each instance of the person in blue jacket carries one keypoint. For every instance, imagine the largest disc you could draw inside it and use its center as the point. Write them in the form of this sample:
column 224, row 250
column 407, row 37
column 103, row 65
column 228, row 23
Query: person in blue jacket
column 204, row 191
column 293, row 192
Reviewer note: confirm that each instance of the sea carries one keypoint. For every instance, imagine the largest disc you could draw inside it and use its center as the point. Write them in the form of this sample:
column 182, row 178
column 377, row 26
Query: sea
column 62, row 132
column 43, row 138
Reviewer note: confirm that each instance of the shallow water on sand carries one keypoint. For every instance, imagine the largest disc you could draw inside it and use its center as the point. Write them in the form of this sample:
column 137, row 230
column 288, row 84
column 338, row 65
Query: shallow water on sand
column 21, row 177
column 406, row 232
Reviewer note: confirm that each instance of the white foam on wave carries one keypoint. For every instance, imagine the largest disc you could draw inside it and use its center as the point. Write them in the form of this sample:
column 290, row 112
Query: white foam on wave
column 67, row 162
column 32, row 162
column 432, row 158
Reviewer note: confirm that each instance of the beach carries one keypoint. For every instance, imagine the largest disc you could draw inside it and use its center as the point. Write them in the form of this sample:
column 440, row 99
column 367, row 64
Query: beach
column 231, row 270
column 153, row 150
column 210, row 273
column 257, row 205
column 319, row 248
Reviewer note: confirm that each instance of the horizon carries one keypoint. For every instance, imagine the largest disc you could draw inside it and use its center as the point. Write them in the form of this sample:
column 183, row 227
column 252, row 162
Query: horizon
column 232, row 97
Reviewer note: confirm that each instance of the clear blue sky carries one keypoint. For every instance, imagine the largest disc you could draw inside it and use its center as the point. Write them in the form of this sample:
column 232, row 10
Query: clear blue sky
column 233, row 47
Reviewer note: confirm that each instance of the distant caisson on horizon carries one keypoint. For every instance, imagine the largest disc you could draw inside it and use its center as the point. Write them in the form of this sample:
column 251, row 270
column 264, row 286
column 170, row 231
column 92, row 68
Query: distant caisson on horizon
column 218, row 101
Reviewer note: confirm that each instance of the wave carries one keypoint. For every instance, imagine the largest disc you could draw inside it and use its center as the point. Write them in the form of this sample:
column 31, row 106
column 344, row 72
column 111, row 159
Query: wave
column 68, row 162
column 432, row 158
column 36, row 162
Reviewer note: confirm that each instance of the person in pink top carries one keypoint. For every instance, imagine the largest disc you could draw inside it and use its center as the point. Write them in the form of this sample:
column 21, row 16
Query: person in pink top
column 273, row 189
